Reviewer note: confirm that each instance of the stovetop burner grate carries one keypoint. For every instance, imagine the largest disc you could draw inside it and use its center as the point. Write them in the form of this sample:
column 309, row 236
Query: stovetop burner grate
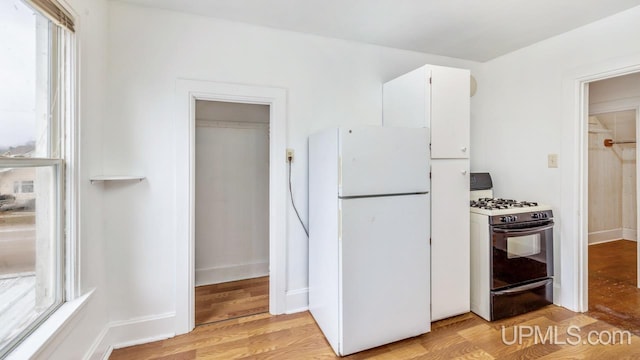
column 500, row 204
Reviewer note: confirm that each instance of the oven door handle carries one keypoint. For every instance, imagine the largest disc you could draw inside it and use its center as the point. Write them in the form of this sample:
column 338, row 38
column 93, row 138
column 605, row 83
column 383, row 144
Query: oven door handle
column 523, row 231
column 522, row 288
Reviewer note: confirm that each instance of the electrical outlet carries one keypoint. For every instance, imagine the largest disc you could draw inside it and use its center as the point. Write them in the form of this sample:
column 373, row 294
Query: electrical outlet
column 290, row 154
column 552, row 160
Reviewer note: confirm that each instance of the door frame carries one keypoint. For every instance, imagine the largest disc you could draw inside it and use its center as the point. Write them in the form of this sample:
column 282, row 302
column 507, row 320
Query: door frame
column 575, row 254
column 187, row 92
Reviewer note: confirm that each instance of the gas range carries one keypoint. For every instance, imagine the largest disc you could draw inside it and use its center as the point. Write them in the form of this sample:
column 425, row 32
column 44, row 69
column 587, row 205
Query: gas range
column 511, row 253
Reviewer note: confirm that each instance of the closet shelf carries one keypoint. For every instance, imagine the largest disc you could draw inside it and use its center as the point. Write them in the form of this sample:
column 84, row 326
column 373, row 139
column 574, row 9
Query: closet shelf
column 597, row 131
column 116, row 178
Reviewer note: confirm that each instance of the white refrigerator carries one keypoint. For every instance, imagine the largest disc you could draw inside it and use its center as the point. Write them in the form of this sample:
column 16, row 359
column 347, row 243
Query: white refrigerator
column 369, row 225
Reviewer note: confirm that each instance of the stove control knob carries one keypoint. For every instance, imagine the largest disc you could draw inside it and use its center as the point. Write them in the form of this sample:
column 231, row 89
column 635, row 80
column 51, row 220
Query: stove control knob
column 540, row 215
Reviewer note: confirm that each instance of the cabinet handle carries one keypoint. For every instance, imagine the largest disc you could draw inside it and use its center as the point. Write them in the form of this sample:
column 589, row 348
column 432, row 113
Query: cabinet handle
column 464, row 172
column 463, row 149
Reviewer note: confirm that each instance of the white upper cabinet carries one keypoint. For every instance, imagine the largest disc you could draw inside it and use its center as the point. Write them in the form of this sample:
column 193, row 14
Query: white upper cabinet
column 435, row 97
column 450, row 100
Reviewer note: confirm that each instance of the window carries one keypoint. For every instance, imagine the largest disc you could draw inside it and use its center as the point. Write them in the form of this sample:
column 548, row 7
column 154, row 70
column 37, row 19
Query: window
column 35, row 113
column 25, row 186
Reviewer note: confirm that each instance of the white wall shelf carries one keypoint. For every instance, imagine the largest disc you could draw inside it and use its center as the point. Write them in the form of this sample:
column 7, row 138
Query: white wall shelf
column 116, row 178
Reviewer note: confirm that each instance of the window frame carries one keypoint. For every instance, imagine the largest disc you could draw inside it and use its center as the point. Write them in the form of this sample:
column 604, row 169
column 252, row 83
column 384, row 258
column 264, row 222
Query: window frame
column 63, row 157
column 59, row 258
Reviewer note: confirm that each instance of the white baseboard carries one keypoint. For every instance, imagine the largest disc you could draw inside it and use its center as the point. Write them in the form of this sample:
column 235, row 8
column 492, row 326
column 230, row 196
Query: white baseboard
column 297, row 300
column 99, row 349
column 557, row 293
column 220, row 274
column 630, row 234
column 598, row 237
column 119, row 334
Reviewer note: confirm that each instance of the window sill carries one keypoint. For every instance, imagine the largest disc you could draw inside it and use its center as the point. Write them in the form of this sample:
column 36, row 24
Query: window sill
column 50, row 328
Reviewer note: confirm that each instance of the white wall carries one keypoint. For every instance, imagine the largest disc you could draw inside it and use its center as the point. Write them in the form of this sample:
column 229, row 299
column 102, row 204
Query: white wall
column 622, row 87
column 526, row 107
column 231, row 192
column 329, row 83
column 231, row 112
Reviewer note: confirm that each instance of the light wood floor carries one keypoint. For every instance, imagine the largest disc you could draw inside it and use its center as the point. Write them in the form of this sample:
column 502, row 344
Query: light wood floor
column 613, row 299
column 231, row 300
column 613, row 293
column 467, row 336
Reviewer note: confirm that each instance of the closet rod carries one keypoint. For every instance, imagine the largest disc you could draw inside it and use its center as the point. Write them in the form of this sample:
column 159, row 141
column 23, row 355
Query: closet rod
column 610, row 142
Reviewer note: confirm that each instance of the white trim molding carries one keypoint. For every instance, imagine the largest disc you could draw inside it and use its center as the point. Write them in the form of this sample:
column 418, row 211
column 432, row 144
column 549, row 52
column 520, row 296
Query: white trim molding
column 297, row 300
column 575, row 183
column 220, row 274
column 630, row 234
column 142, row 330
column 598, row 237
column 187, row 92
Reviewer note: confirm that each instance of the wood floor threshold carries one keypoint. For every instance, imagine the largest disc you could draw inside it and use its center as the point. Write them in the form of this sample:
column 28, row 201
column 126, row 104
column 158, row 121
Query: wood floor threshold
column 230, row 300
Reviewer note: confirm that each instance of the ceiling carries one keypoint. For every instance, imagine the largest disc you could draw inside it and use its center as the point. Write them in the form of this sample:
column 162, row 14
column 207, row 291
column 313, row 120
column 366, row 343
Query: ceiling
column 477, row 30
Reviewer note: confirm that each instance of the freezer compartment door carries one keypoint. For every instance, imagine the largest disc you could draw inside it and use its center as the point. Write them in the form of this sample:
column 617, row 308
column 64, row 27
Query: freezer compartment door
column 380, row 161
column 385, row 270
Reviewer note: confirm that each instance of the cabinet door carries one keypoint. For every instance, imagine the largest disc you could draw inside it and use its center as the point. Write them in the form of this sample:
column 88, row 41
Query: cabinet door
column 450, row 254
column 450, row 101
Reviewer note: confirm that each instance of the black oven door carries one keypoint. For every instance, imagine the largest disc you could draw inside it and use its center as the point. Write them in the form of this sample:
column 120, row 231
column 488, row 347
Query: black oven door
column 521, row 253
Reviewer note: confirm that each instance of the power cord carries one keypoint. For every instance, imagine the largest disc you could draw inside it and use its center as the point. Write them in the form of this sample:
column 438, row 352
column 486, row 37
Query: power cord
column 292, row 202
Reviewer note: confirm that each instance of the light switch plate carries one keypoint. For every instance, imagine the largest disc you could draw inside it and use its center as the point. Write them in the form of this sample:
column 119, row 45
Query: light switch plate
column 552, row 160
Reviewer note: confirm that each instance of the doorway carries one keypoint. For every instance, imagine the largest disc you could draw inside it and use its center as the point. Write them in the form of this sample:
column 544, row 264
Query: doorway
column 231, row 210
column 187, row 93
column 613, row 202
